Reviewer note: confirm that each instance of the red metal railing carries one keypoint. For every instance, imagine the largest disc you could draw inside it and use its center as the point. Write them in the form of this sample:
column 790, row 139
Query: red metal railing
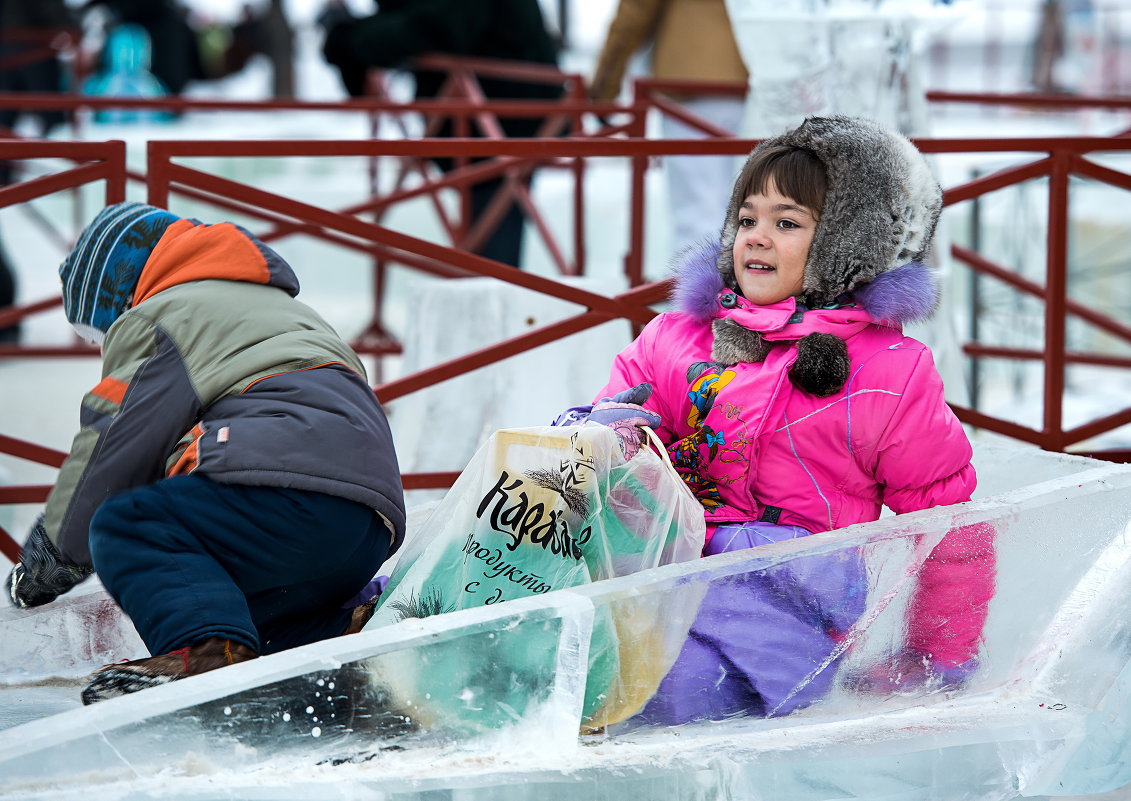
column 24, row 494
column 1058, row 159
column 165, row 176
column 95, row 161
column 462, row 102
column 1063, row 158
column 24, row 46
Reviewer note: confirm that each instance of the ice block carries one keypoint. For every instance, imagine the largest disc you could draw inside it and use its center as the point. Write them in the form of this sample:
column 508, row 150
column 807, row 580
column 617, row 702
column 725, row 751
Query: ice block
column 1043, row 715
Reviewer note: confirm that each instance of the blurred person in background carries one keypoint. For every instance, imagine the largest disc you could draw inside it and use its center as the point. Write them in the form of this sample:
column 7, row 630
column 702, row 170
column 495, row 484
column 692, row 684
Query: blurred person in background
column 22, row 69
column 1063, row 58
column 1048, row 47
column 511, row 30
column 175, row 50
column 693, row 40
column 279, row 47
column 9, row 335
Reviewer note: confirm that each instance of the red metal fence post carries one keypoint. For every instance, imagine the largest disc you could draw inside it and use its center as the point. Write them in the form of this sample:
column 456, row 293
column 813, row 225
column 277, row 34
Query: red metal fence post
column 116, row 169
column 1056, row 294
column 634, row 259
column 577, row 167
column 157, row 174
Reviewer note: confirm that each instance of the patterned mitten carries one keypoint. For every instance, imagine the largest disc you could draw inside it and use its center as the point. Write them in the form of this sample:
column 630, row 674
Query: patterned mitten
column 42, row 575
column 576, row 415
column 622, row 413
column 626, row 417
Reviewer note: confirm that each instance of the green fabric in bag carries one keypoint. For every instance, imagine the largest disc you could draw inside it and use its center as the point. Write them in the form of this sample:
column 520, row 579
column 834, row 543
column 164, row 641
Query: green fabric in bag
column 536, row 510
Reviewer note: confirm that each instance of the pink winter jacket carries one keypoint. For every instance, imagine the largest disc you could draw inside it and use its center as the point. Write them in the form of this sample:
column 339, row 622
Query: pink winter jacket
column 751, row 446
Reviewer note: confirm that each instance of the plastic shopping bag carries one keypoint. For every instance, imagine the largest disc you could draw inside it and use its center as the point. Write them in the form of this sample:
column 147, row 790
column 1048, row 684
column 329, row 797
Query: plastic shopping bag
column 536, row 510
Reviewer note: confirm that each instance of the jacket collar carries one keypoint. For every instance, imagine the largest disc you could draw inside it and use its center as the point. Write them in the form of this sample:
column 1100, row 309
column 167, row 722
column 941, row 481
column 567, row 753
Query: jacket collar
column 789, row 320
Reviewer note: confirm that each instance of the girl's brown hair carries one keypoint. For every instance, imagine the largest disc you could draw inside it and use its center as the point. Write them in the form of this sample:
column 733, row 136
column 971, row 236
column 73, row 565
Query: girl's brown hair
column 796, row 173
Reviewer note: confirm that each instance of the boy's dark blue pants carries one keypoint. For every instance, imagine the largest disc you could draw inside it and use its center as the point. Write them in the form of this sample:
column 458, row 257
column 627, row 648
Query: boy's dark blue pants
column 188, row 558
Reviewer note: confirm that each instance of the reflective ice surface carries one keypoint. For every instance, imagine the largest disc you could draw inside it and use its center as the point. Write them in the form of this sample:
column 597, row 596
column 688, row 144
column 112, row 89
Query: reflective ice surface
column 820, row 57
column 1044, row 715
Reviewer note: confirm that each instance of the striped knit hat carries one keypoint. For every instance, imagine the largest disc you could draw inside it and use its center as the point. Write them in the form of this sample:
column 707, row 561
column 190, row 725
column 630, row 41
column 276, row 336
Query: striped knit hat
column 101, row 272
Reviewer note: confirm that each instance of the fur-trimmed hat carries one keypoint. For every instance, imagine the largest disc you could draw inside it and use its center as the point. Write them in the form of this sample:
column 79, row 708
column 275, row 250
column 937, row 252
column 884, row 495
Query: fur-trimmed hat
column 881, row 205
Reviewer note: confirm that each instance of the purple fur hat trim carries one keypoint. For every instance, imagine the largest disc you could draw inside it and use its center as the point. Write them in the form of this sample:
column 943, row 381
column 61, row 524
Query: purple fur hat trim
column 907, row 294
column 697, row 280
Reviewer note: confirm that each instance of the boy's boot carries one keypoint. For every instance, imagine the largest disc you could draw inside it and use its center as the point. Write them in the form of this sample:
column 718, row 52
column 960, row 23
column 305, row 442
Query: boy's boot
column 362, row 615
column 129, row 677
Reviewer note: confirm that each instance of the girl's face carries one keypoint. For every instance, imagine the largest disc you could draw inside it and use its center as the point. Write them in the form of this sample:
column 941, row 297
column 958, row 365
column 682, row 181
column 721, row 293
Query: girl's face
column 772, row 245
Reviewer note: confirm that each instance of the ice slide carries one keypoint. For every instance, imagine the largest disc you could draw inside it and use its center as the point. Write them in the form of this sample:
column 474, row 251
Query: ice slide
column 1045, row 715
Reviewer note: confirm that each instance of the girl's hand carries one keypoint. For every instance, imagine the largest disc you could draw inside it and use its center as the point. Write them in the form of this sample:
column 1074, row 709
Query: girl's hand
column 625, row 416
column 622, row 413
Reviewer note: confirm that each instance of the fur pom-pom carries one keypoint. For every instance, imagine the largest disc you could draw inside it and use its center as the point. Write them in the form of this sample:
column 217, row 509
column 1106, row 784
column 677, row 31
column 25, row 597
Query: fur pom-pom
column 907, row 294
column 822, row 365
column 698, row 282
column 734, row 344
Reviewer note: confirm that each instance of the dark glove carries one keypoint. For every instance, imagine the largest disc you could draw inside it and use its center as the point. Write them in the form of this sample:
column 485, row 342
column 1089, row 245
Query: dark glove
column 912, row 672
column 42, row 575
column 622, row 413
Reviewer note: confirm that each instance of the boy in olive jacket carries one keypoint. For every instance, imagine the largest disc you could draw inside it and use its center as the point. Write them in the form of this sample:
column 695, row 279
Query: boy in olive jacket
column 234, row 482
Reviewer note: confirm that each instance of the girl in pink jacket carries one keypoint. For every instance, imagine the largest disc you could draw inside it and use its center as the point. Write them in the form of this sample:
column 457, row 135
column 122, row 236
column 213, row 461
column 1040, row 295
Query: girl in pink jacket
column 792, row 404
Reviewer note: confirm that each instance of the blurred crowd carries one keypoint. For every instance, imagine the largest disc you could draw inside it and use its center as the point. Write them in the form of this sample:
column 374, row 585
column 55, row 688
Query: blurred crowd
column 64, row 45
column 149, row 48
column 132, row 48
column 53, row 46
column 1064, row 46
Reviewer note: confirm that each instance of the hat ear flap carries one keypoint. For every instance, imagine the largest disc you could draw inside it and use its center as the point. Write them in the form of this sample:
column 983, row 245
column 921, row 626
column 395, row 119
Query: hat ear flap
column 822, row 365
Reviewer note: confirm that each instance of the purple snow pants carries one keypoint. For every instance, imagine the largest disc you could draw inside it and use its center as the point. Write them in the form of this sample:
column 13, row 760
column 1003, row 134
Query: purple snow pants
column 760, row 639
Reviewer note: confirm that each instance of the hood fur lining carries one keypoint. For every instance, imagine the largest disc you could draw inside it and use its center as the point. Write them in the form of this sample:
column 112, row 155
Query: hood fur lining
column 904, row 295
